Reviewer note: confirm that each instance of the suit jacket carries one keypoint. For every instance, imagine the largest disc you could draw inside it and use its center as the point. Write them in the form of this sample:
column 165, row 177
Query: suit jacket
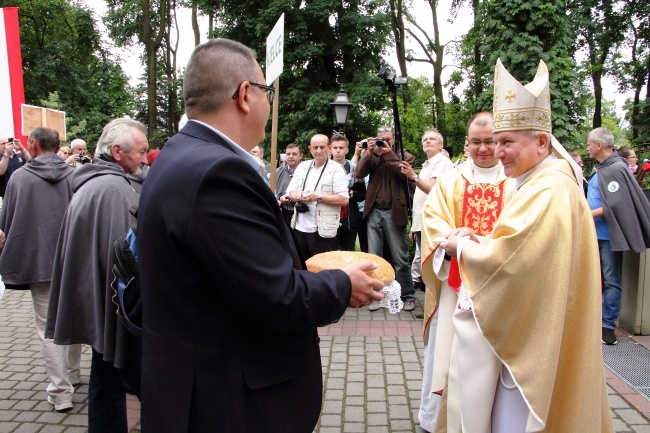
column 229, row 315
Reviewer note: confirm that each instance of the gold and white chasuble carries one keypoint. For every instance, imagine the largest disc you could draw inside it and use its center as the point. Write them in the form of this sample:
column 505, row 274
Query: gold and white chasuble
column 536, row 296
column 468, row 197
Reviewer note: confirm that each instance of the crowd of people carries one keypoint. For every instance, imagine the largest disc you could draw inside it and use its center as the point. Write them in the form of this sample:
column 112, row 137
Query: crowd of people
column 506, row 240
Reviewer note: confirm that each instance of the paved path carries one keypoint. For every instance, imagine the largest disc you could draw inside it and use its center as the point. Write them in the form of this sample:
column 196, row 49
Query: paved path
column 372, row 376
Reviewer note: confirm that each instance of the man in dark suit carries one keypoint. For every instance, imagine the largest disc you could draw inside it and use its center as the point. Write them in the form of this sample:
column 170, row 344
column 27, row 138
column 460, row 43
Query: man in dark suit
column 229, row 314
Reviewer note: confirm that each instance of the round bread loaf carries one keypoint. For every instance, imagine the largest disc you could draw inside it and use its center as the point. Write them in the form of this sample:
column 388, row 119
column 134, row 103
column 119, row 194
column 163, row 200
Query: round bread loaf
column 341, row 259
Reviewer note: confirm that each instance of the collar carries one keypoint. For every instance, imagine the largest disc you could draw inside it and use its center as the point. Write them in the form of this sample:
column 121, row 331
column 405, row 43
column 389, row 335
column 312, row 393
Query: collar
column 521, row 179
column 250, row 159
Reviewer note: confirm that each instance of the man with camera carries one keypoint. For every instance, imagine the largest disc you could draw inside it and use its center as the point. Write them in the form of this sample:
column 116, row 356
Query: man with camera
column 14, row 156
column 386, row 208
column 284, row 176
column 319, row 188
column 79, row 153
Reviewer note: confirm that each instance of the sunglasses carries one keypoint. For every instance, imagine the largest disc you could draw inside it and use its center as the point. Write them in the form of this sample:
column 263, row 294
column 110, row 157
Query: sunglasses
column 385, row 129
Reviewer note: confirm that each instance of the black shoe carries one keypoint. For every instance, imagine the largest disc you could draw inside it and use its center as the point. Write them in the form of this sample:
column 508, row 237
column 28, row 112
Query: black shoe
column 609, row 337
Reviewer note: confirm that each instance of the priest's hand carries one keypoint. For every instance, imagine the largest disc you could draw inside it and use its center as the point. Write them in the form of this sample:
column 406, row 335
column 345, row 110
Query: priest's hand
column 451, row 244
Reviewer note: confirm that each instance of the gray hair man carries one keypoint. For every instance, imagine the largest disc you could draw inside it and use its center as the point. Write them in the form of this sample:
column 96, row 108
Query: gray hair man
column 34, row 205
column 621, row 215
column 81, row 308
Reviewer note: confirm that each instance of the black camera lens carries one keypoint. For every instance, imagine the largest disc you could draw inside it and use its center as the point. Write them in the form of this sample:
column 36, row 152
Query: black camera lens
column 379, row 142
column 364, row 144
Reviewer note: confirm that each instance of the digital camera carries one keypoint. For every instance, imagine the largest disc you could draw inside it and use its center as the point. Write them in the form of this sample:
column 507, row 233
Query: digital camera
column 379, row 142
column 302, row 207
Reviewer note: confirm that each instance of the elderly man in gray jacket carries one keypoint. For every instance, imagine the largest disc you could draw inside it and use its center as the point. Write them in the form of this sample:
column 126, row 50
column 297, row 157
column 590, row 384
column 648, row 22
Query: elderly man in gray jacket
column 81, row 308
column 35, row 201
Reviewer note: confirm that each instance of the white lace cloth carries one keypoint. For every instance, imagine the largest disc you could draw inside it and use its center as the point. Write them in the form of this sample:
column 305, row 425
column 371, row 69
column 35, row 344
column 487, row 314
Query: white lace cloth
column 392, row 301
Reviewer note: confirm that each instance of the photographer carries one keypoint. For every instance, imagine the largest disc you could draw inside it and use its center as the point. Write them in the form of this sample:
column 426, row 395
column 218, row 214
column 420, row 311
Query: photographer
column 318, row 188
column 14, row 156
column 79, row 155
column 386, row 209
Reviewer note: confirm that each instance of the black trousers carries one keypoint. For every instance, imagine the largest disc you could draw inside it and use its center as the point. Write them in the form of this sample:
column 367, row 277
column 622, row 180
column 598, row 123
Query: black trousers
column 107, row 395
column 346, row 237
column 312, row 243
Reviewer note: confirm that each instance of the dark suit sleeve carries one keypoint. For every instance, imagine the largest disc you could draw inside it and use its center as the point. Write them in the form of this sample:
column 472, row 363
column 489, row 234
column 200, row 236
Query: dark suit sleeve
column 238, row 234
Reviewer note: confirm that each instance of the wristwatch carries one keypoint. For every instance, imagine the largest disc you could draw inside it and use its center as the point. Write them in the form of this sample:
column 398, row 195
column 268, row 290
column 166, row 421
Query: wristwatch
column 415, row 179
column 319, row 199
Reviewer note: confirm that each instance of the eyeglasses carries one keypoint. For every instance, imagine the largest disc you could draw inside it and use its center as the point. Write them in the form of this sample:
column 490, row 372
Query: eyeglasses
column 268, row 90
column 479, row 142
column 632, row 157
column 385, row 129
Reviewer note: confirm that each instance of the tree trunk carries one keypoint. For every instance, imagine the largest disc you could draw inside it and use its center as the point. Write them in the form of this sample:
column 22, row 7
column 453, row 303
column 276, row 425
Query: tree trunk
column 152, row 43
column 195, row 25
column 437, row 73
column 598, row 96
column 478, row 81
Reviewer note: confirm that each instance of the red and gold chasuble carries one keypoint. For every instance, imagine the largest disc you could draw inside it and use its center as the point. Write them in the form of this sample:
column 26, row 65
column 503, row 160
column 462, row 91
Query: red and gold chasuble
column 481, row 206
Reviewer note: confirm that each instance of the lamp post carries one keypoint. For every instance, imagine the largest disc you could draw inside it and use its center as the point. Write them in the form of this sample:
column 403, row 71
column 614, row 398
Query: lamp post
column 342, row 107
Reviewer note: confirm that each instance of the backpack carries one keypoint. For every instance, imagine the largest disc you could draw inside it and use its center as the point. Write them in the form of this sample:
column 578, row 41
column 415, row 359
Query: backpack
column 126, row 282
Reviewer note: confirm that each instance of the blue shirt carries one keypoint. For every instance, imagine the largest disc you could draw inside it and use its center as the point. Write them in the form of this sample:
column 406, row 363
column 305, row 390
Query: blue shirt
column 593, row 198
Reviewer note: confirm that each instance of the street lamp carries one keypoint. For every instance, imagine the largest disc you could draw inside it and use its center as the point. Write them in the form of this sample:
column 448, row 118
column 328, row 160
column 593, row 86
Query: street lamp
column 342, row 107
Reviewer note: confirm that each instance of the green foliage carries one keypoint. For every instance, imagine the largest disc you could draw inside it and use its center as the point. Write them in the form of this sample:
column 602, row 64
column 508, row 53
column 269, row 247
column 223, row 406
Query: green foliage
column 328, row 45
column 521, row 33
column 63, row 55
column 610, row 120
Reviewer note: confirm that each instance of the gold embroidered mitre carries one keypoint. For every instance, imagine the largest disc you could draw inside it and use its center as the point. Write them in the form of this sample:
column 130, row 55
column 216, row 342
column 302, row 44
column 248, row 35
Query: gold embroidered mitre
column 520, row 108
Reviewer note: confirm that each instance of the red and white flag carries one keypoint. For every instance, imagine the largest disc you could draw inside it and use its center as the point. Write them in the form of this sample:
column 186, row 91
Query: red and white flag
column 12, row 92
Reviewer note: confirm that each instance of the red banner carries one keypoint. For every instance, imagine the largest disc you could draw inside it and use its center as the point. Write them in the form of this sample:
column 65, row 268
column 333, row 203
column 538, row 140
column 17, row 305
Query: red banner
column 12, row 91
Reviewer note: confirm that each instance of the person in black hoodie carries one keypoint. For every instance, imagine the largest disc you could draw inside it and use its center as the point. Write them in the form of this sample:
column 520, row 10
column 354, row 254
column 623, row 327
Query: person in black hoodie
column 36, row 198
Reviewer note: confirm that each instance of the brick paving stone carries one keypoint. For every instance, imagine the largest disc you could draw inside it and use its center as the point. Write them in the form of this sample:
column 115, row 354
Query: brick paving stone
column 51, row 417
column 377, row 429
column 630, row 416
column 377, row 407
column 330, row 420
column 52, row 429
column 354, row 427
column 354, row 414
column 355, row 401
column 8, row 427
column 620, row 426
column 641, row 428
column 28, row 428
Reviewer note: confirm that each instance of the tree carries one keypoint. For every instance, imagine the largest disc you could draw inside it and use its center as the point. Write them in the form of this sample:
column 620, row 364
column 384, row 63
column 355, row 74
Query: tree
column 521, row 33
column 328, row 45
column 144, row 21
column 63, row 56
column 434, row 51
column 600, row 27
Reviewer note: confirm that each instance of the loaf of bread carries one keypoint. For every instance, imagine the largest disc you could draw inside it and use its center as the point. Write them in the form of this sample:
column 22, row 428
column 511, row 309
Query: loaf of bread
column 341, row 259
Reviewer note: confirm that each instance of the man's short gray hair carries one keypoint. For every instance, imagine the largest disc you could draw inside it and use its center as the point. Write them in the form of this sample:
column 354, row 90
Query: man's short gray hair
column 602, row 135
column 47, row 138
column 442, row 140
column 213, row 73
column 76, row 143
column 118, row 131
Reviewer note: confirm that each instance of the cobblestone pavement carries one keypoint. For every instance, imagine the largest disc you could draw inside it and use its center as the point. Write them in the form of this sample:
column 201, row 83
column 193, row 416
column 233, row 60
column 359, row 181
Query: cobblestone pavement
column 372, row 371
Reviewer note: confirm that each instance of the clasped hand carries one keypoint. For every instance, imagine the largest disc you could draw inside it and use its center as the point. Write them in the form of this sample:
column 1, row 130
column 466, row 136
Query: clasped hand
column 450, row 244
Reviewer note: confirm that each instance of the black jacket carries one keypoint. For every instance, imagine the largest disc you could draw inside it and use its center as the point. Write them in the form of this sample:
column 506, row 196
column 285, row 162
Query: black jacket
column 229, row 316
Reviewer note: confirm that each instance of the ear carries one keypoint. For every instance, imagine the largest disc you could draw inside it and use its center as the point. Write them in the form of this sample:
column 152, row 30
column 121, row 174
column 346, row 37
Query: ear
column 116, row 152
column 543, row 143
column 243, row 98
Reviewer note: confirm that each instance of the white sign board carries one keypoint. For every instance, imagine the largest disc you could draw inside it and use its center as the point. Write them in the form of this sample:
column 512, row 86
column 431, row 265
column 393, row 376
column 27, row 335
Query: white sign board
column 275, row 51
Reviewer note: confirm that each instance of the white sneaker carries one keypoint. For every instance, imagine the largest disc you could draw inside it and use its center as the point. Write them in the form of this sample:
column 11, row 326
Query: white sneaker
column 374, row 306
column 60, row 407
column 409, row 305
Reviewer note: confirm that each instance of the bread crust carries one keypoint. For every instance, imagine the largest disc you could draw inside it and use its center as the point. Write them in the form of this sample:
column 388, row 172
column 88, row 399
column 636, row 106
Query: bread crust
column 340, row 259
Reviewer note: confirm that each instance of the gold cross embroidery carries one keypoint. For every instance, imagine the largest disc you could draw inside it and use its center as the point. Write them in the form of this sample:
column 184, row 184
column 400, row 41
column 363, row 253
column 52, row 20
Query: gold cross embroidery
column 510, row 96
